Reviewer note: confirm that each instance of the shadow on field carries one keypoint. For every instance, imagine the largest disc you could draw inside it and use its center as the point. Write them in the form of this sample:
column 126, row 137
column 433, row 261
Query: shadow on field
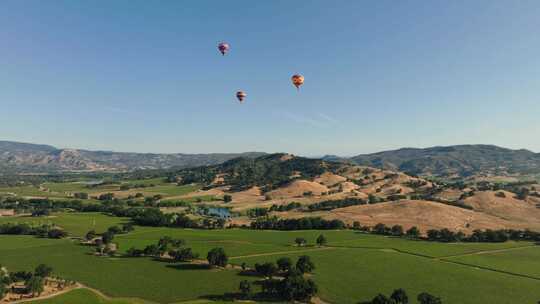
column 234, row 296
column 189, row 266
column 249, row 273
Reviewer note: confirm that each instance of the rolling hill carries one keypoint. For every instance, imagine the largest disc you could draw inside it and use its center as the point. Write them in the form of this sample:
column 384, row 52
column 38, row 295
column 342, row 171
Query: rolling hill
column 459, row 161
column 454, row 161
column 18, row 157
column 289, row 186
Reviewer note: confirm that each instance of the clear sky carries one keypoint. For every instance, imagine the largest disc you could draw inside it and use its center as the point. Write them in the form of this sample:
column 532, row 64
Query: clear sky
column 146, row 76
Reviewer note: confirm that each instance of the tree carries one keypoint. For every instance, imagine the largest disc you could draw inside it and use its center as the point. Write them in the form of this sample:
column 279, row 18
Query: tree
column 399, row 296
column 217, row 257
column 43, row 271
column 284, row 264
column 183, row 254
column 321, row 240
column 114, row 230
column 300, row 241
column 304, row 264
column 356, row 225
column 3, row 289
column 107, row 237
column 426, row 298
column 267, row 269
column 381, row 299
column 56, row 233
column 151, row 250
column 522, row 194
column 35, row 285
column 413, row 232
column 90, row 235
column 380, row 228
column 372, row 199
column 106, row 197
column 227, row 198
column 397, row 230
column 245, row 289
column 297, row 288
column 128, row 227
column 433, row 234
column 134, row 252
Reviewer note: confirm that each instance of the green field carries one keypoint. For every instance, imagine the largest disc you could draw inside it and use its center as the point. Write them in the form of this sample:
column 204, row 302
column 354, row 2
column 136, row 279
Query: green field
column 66, row 189
column 85, row 296
column 353, row 267
column 524, row 261
column 76, row 224
column 170, row 189
column 120, row 277
column 29, row 191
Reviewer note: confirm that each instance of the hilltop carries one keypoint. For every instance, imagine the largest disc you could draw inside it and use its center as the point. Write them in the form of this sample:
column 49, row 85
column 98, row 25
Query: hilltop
column 461, row 161
column 455, row 161
column 289, row 186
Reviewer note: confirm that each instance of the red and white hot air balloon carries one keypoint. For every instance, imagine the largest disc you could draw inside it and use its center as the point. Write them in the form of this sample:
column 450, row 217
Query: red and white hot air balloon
column 297, row 80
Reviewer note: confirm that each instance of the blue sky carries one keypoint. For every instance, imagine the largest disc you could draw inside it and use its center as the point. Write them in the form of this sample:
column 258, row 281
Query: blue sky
column 146, row 76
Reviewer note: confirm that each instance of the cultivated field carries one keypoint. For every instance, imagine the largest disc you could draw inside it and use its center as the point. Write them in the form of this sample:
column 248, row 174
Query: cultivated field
column 76, row 224
column 353, row 267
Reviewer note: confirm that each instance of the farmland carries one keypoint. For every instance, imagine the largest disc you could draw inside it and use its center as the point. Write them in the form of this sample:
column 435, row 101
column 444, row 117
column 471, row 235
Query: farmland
column 352, row 267
column 121, row 189
column 370, row 264
column 77, row 224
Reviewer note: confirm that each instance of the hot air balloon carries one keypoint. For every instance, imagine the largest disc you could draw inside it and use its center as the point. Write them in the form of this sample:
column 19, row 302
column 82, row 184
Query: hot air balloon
column 223, row 47
column 297, row 80
column 241, row 95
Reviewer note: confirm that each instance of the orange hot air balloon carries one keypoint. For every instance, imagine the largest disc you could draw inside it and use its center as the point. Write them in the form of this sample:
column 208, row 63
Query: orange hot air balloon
column 297, row 80
column 241, row 95
column 223, row 48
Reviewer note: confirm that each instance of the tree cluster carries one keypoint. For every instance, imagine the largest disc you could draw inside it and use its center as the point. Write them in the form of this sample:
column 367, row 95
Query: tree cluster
column 283, row 280
column 399, row 296
column 33, row 281
column 334, row 204
column 46, row 231
column 306, row 223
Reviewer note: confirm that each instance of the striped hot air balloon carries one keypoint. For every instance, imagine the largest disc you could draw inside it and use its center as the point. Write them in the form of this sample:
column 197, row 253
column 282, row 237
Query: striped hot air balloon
column 297, row 80
column 241, row 95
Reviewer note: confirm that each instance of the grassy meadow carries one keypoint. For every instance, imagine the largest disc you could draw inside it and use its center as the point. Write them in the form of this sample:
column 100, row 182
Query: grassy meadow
column 76, row 224
column 353, row 267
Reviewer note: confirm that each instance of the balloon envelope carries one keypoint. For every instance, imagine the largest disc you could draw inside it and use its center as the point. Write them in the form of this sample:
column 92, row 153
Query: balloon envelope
column 241, row 95
column 223, row 48
column 297, row 80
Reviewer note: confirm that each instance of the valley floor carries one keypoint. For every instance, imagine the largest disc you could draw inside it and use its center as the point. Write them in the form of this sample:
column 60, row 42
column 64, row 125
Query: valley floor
column 353, row 267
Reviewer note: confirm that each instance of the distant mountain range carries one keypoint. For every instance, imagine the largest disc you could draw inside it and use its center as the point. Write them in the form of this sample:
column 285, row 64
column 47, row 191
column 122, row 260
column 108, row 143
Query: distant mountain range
column 18, row 157
column 458, row 161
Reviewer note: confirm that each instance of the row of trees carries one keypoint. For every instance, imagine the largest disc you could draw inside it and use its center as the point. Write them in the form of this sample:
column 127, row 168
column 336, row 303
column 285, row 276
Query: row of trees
column 488, row 235
column 46, row 231
column 446, row 235
column 334, row 204
column 156, row 218
column 399, row 296
column 261, row 211
column 306, row 223
column 166, row 247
